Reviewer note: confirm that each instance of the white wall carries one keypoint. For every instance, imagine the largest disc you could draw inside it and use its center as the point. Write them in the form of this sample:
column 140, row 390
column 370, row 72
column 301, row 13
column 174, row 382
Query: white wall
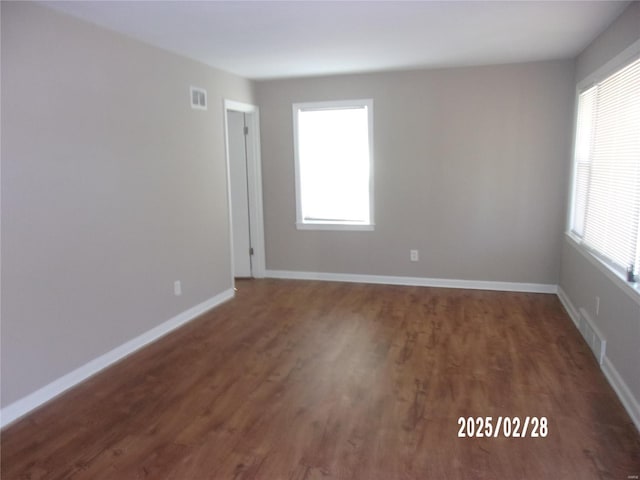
column 112, row 188
column 470, row 169
column 581, row 278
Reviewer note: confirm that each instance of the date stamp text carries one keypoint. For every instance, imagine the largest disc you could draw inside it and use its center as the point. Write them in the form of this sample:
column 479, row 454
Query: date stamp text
column 507, row 427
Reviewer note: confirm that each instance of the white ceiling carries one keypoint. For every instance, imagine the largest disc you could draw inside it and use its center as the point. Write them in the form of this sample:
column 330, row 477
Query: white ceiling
column 274, row 39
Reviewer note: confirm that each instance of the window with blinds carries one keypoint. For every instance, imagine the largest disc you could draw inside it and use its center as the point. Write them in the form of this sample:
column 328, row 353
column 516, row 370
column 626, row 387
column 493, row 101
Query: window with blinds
column 606, row 202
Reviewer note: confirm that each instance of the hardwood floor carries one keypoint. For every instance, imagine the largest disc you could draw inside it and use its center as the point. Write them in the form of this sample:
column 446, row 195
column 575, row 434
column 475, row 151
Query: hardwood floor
column 308, row 380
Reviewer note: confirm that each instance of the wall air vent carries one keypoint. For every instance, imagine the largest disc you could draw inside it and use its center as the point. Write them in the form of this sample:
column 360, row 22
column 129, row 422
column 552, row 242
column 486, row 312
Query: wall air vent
column 198, row 98
column 592, row 335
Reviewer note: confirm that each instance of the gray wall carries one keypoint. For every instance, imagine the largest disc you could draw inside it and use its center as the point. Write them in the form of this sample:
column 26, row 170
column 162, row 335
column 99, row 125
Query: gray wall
column 470, row 168
column 581, row 279
column 112, row 188
column 621, row 33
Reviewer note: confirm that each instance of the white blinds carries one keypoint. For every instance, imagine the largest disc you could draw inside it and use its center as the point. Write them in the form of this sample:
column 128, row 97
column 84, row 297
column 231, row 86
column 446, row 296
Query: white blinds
column 606, row 204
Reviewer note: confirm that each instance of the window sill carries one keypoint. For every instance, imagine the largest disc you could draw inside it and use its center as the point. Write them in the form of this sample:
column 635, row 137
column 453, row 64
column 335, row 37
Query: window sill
column 631, row 289
column 336, row 226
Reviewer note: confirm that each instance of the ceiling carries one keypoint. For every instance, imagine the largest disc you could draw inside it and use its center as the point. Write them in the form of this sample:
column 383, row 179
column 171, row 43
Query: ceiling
column 275, row 39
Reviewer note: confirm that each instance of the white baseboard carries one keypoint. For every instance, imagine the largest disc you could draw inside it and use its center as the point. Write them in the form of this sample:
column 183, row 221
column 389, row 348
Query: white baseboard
column 19, row 408
column 624, row 394
column 414, row 281
column 615, row 380
column 568, row 306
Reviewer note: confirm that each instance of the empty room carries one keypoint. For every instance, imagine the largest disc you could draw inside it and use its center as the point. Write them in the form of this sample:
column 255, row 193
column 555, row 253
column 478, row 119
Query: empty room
column 363, row 240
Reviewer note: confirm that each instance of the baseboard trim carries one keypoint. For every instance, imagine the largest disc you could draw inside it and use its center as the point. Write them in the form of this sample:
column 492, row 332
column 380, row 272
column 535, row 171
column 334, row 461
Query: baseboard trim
column 568, row 306
column 624, row 394
column 20, row 408
column 616, row 381
column 413, row 281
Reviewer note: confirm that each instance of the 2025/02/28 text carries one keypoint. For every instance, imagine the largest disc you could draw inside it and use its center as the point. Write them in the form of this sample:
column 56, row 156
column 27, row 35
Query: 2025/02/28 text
column 508, row 427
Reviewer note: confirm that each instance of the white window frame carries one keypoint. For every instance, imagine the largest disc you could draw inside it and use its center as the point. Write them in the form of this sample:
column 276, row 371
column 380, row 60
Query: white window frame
column 627, row 56
column 301, row 223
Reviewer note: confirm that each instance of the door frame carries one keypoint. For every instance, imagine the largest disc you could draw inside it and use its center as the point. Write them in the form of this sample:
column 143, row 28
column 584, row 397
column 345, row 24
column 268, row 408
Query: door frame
column 254, row 183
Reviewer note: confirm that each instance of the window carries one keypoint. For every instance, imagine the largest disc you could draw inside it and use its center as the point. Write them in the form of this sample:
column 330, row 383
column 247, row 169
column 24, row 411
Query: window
column 606, row 193
column 334, row 175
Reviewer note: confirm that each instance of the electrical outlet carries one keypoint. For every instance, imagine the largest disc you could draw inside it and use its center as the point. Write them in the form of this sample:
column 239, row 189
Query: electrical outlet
column 177, row 288
column 414, row 255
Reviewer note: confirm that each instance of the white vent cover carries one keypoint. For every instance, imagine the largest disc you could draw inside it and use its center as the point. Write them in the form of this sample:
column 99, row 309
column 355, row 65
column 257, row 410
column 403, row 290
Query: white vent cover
column 592, row 335
column 198, row 98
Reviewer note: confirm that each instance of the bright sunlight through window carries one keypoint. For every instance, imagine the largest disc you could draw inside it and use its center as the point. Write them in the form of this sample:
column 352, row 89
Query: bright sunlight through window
column 333, row 164
column 606, row 201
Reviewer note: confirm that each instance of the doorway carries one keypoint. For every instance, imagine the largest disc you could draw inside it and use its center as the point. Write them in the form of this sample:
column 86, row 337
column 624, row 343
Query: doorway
column 244, row 183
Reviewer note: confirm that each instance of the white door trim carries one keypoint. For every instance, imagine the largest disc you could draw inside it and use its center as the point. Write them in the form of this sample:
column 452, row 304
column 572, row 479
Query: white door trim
column 254, row 177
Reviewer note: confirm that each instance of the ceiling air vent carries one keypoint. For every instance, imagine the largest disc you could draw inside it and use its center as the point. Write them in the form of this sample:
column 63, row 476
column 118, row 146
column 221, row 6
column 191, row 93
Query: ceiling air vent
column 198, row 98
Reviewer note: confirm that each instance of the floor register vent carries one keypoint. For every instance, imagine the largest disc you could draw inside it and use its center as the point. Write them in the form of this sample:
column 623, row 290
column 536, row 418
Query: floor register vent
column 592, row 335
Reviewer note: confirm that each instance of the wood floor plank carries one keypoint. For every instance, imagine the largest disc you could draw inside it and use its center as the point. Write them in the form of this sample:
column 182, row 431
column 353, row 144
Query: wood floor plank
column 314, row 380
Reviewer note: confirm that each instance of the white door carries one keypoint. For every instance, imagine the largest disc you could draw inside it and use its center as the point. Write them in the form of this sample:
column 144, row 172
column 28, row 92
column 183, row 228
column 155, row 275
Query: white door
column 239, row 194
